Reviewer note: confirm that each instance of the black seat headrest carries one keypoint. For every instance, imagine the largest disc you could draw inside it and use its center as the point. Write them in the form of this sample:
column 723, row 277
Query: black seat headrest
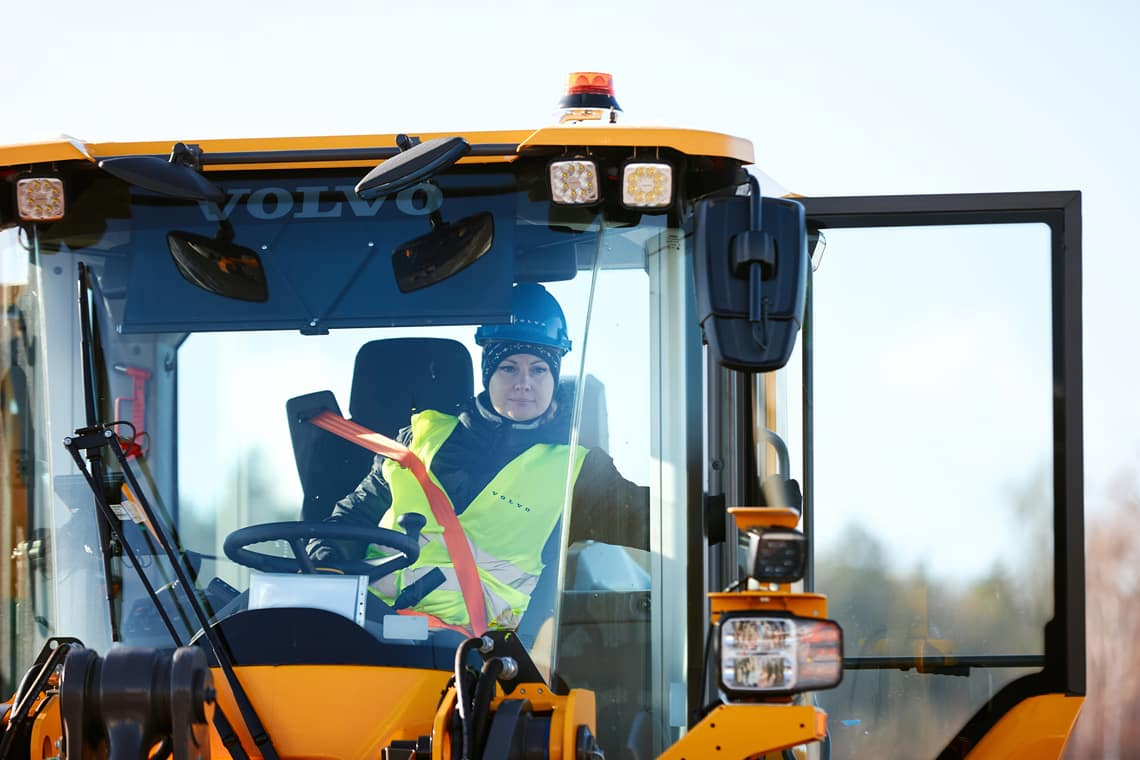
column 398, row 376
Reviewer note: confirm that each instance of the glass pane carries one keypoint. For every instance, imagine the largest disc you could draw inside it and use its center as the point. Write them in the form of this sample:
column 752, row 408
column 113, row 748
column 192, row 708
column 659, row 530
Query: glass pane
column 26, row 614
column 604, row 636
column 934, row 466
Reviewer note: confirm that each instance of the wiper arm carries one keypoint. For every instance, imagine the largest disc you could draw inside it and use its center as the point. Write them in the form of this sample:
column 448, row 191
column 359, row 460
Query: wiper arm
column 945, row 665
column 105, row 526
column 95, row 438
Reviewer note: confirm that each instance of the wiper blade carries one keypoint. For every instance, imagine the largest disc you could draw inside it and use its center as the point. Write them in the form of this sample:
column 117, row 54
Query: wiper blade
column 95, row 438
column 945, row 665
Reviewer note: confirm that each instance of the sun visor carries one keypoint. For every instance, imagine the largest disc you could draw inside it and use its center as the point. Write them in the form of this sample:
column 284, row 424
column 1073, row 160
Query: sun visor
column 310, row 256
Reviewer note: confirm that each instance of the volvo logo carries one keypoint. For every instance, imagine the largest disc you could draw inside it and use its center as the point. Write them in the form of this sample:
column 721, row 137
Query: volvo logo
column 320, row 202
column 510, row 500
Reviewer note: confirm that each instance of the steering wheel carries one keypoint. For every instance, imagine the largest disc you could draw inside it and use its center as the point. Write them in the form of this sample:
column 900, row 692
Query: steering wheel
column 298, row 533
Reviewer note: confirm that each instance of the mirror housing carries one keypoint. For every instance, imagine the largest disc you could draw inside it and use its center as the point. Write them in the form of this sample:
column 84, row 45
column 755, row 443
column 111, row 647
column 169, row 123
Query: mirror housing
column 218, row 265
column 414, row 165
column 177, row 177
column 751, row 263
column 449, row 248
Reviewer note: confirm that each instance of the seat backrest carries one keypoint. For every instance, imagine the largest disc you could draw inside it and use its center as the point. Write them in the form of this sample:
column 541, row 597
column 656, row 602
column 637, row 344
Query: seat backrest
column 392, row 379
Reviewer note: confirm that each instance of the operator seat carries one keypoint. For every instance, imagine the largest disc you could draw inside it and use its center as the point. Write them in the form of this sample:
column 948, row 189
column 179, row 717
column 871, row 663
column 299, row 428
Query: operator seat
column 392, row 379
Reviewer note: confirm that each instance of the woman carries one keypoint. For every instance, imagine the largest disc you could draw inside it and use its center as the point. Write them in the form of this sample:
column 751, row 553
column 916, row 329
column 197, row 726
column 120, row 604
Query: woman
column 503, row 462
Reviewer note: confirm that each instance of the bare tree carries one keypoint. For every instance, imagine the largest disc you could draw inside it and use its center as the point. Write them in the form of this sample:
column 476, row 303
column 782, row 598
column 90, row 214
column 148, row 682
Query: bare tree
column 1106, row 727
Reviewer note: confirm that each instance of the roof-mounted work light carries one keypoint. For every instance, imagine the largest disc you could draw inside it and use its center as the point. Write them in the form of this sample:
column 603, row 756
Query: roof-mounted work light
column 647, row 185
column 574, row 182
column 40, row 199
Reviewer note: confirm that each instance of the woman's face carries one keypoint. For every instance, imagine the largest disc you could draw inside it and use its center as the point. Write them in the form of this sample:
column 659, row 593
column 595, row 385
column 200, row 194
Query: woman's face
column 521, row 387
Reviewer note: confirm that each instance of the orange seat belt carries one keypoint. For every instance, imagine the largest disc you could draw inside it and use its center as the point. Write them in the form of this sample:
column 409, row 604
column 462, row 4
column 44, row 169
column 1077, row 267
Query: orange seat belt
column 454, row 538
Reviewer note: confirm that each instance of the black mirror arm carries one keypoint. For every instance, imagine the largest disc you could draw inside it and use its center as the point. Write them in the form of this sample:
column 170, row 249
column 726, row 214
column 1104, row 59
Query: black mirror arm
column 405, row 143
column 225, row 231
column 754, row 256
column 189, row 156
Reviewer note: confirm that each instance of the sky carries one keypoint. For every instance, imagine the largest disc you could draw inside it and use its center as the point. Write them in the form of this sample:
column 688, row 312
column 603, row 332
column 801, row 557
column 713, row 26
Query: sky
column 838, row 98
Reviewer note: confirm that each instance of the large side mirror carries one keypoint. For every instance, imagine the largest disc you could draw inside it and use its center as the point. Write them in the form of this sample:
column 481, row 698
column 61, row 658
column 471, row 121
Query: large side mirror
column 751, row 263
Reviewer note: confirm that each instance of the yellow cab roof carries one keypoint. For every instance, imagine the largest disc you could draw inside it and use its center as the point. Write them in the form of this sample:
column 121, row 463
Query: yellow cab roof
column 688, row 141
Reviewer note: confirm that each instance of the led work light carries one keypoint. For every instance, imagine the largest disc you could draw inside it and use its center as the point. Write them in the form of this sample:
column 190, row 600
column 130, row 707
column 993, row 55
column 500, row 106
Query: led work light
column 647, row 185
column 574, row 182
column 40, row 199
column 773, row 654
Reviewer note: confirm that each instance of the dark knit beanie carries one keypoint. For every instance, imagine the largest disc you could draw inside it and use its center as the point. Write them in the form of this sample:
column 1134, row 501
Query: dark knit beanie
column 495, row 351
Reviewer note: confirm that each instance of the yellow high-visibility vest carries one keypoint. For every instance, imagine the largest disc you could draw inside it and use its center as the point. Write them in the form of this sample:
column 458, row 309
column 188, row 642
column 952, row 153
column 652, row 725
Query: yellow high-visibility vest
column 507, row 525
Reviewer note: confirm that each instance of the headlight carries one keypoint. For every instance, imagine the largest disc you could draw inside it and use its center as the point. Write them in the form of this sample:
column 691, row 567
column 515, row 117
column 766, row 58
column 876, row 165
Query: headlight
column 645, row 185
column 40, row 199
column 574, row 183
column 774, row 655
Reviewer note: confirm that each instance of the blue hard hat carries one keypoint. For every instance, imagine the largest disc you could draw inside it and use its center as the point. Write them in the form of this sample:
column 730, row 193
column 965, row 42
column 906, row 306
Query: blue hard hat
column 535, row 318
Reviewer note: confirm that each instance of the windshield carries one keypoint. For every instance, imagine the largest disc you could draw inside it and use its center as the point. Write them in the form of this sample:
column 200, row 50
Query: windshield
column 219, row 331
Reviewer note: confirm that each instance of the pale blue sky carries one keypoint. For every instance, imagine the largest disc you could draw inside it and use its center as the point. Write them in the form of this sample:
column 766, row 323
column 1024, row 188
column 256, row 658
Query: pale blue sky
column 838, row 98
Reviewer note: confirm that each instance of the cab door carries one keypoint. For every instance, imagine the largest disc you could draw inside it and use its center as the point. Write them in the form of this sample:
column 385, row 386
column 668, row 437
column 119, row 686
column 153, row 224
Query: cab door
column 942, row 469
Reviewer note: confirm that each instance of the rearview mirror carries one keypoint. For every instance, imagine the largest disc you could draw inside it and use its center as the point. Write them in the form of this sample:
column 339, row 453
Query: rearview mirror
column 218, row 265
column 751, row 262
column 449, row 248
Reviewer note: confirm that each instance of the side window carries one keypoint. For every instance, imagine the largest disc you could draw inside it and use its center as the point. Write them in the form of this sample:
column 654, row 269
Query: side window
column 945, row 487
column 934, row 465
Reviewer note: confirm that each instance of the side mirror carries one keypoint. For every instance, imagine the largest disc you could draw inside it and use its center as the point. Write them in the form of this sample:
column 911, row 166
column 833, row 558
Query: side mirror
column 751, row 263
column 218, row 265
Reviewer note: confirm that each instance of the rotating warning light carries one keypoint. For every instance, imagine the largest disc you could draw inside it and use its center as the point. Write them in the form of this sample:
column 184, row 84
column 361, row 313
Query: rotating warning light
column 589, row 97
column 40, row 199
column 590, row 82
column 777, row 655
column 574, row 182
column 646, row 185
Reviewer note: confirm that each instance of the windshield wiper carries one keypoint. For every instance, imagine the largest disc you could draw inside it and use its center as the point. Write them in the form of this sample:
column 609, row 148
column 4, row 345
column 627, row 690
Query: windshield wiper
column 105, row 525
column 95, row 438
column 945, row 665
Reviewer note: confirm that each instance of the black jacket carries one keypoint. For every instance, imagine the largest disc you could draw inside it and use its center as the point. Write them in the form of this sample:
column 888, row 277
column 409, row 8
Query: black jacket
column 605, row 507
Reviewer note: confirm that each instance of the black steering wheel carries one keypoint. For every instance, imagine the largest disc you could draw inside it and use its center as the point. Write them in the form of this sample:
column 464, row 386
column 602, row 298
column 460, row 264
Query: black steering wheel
column 298, row 533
